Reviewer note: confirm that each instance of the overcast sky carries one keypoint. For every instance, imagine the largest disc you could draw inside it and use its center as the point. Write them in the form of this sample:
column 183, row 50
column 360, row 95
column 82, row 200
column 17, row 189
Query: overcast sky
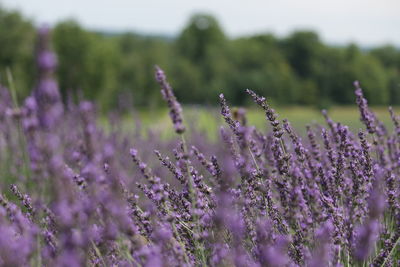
column 367, row 22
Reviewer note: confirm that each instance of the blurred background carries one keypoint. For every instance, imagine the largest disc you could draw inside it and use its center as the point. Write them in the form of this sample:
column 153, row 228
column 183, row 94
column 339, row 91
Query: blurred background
column 296, row 53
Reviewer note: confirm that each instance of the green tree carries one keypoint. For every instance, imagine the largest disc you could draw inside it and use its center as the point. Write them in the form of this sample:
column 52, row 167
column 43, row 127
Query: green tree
column 388, row 55
column 138, row 57
column 202, row 33
column 101, row 73
column 259, row 64
column 303, row 50
column 203, row 44
column 73, row 47
column 17, row 42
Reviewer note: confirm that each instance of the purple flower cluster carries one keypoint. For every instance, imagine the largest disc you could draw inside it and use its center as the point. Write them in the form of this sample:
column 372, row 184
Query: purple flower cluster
column 46, row 93
column 73, row 194
column 175, row 109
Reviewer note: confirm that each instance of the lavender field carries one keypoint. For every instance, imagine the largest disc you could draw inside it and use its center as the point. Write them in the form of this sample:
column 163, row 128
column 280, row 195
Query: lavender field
column 75, row 194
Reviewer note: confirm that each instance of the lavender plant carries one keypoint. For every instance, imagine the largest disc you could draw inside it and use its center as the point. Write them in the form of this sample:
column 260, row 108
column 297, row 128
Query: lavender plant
column 257, row 198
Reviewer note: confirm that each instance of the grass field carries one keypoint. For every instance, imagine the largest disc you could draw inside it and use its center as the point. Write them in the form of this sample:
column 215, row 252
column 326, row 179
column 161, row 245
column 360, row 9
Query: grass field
column 208, row 119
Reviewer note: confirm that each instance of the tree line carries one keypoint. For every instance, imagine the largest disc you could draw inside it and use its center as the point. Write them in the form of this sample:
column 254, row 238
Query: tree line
column 116, row 69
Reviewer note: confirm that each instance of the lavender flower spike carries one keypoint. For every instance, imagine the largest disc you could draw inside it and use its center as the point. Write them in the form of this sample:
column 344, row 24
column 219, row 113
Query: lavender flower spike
column 366, row 116
column 46, row 93
column 175, row 109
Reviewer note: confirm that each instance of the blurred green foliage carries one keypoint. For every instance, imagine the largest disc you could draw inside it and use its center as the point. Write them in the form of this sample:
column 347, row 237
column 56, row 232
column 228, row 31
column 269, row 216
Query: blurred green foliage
column 116, row 70
column 17, row 42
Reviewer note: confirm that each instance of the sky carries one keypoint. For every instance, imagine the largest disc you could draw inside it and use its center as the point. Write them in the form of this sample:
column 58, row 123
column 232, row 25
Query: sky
column 366, row 22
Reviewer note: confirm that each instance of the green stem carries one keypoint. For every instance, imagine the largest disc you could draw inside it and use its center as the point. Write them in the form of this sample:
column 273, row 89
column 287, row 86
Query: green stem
column 11, row 86
column 129, row 256
column 96, row 249
column 254, row 160
column 193, row 202
column 391, row 251
column 20, row 135
column 180, row 243
column 178, row 238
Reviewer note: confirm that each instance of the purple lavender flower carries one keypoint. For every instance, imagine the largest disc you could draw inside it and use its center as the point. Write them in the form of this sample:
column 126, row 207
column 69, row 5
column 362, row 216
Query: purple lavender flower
column 46, row 93
column 175, row 109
